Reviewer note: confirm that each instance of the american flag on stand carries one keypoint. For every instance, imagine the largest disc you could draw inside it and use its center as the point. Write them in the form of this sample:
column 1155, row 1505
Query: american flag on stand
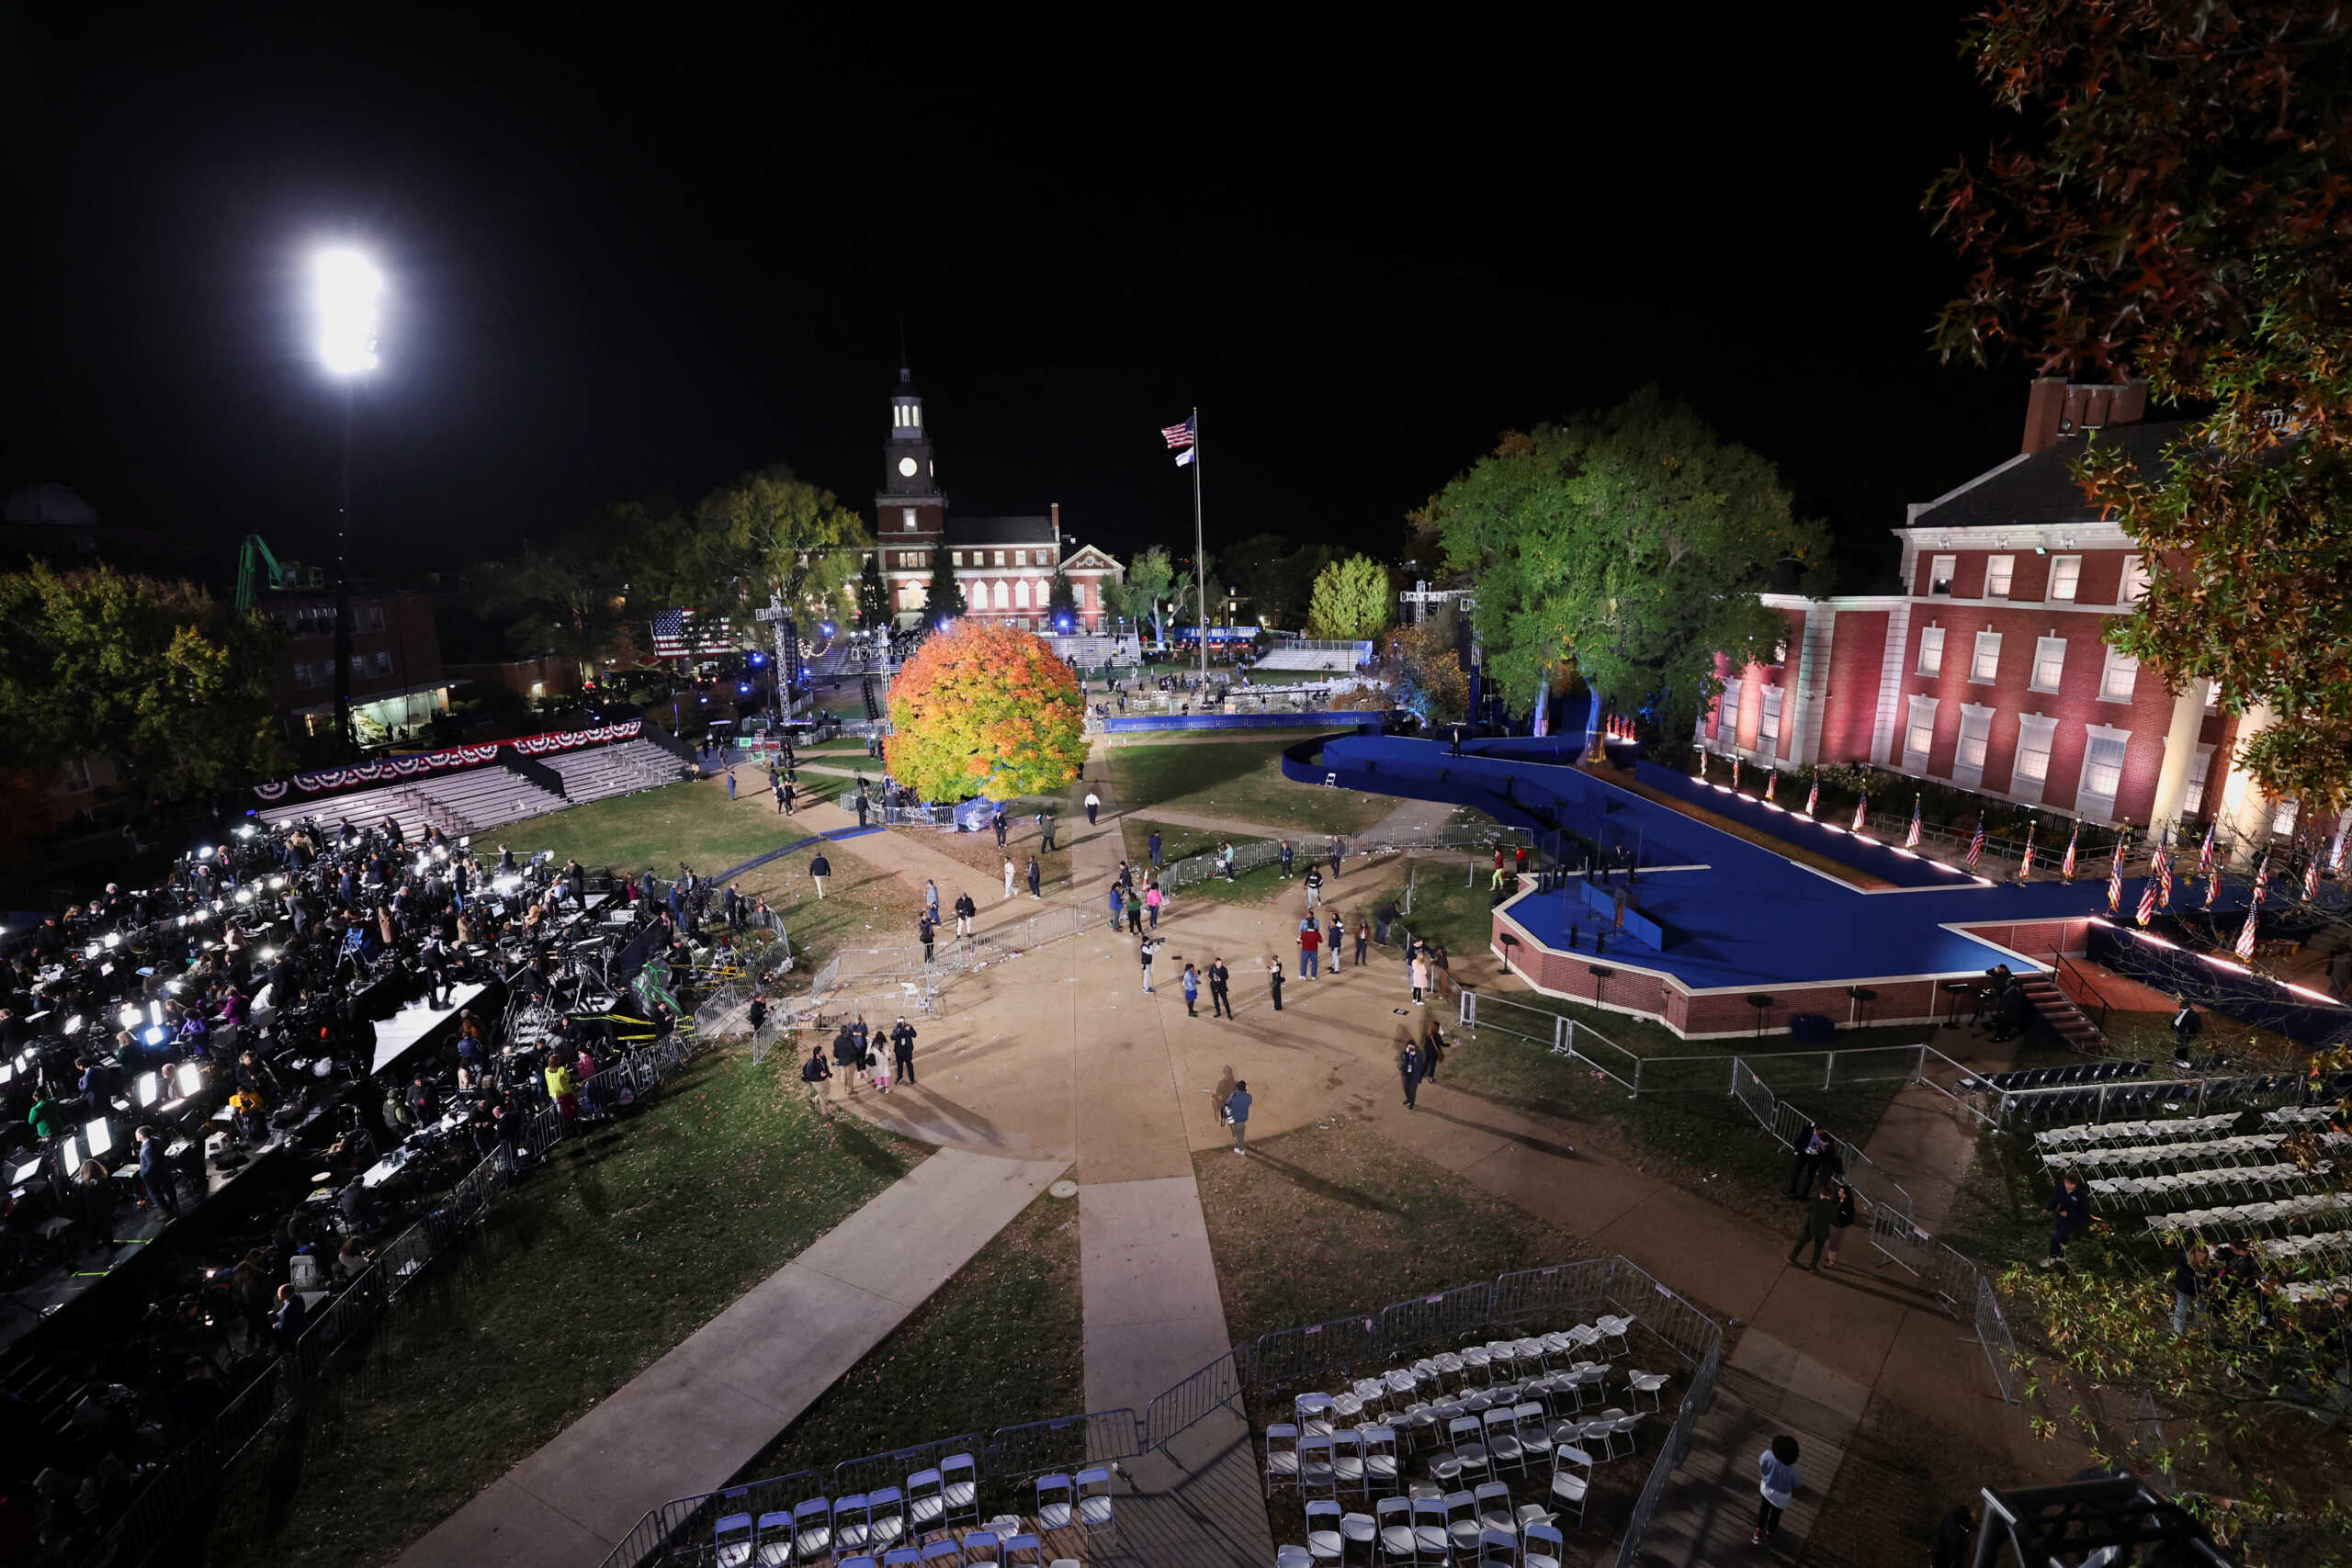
column 1770, row 780
column 2254, row 909
column 1862, row 810
column 1735, row 773
column 681, row 634
column 2159, row 880
column 1812, row 797
column 1911, row 836
column 2311, row 876
column 1976, row 844
column 2115, row 874
column 2025, row 865
column 2066, row 866
column 2165, row 873
column 2205, row 854
column 2335, row 850
column 1180, row 438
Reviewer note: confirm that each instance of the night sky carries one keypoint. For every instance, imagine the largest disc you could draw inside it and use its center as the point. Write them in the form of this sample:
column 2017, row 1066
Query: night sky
column 637, row 254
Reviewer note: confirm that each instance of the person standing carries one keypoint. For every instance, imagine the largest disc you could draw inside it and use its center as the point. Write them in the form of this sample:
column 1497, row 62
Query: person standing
column 1813, row 1149
column 1236, row 1111
column 1008, row 877
column 2072, row 1207
column 1778, row 1480
column 1274, row 980
column 1046, row 827
column 1383, row 918
column 814, row 1075
column 1310, row 945
column 156, row 1175
column 1224, row 860
column 1220, row 992
column 1408, row 1067
column 819, row 868
column 2189, row 1268
column 998, row 822
column 903, row 1048
column 1335, row 940
column 1420, row 974
column 1364, row 938
column 1284, row 846
column 1148, row 951
column 1153, row 844
column 1339, row 853
column 1820, row 1216
column 776, row 784
column 1118, row 900
column 1839, row 1223
column 1036, row 878
column 931, row 899
column 1093, row 806
column 1314, row 885
column 730, row 784
column 1433, row 1052
column 925, row 932
column 1152, row 898
column 1192, row 991
column 965, row 911
column 1135, row 912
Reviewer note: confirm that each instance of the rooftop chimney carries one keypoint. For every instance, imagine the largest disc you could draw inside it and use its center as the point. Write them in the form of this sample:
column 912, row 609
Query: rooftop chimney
column 2055, row 406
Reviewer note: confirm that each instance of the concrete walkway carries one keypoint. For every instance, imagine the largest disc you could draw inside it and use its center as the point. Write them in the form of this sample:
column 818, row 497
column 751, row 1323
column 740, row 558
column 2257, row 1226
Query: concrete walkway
column 689, row 1422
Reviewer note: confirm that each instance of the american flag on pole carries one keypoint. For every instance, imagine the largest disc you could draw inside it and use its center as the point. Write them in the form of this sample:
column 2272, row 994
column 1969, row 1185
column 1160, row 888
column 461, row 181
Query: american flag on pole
column 1735, row 772
column 2205, row 854
column 1180, row 438
column 1976, row 844
column 2115, row 874
column 2311, row 876
column 2254, row 909
column 2066, row 866
column 1862, row 808
column 1812, row 797
column 1911, row 837
column 1770, row 780
column 2159, row 879
column 2335, row 850
column 2025, row 865
column 2165, row 873
column 681, row 634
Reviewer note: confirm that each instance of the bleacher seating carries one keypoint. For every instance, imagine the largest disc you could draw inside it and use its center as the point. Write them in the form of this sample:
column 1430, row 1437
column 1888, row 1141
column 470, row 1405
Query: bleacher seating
column 366, row 808
column 478, row 799
column 603, row 772
column 1332, row 661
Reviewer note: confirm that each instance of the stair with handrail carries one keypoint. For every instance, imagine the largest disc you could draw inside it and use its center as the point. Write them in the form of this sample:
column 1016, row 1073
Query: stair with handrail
column 2062, row 1011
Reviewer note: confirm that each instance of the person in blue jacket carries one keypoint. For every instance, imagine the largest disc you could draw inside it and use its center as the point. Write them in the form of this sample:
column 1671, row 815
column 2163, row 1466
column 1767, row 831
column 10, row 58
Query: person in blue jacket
column 2072, row 1206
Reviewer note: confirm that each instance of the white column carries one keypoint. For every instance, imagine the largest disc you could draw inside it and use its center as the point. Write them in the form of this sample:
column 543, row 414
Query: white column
column 2246, row 809
column 2180, row 755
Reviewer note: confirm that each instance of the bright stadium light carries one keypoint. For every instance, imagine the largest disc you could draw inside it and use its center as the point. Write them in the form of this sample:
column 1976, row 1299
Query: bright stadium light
column 345, row 289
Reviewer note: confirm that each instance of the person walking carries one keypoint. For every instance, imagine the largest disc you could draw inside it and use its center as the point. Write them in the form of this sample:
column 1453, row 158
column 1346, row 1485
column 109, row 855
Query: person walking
column 1820, row 1215
column 2072, row 1207
column 1314, row 885
column 1339, row 853
column 1148, row 951
column 925, row 933
column 730, row 785
column 819, row 868
column 814, row 1075
column 1310, row 948
column 1192, row 992
column 1008, row 877
column 1274, row 980
column 1839, row 1223
column 1151, row 900
column 1420, row 974
column 1283, row 845
column 775, row 786
column 1364, row 938
column 965, row 911
column 1153, row 845
column 1777, row 1482
column 849, row 1055
column 1335, row 940
column 903, row 1048
column 1036, row 878
column 998, row 822
column 1093, row 806
column 1383, row 918
column 1433, row 1052
column 1220, row 991
column 1408, row 1067
column 1046, row 827
column 1236, row 1111
column 1135, row 912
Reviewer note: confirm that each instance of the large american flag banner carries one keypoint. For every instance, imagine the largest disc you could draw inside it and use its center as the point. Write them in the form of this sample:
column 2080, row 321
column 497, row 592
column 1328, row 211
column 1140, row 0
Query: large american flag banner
column 682, row 634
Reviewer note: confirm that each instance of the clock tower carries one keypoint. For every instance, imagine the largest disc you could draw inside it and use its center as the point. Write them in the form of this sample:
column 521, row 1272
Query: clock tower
column 909, row 507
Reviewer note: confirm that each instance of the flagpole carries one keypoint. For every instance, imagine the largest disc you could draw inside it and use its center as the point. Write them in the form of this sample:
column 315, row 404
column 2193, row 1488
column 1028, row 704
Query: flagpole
column 1200, row 565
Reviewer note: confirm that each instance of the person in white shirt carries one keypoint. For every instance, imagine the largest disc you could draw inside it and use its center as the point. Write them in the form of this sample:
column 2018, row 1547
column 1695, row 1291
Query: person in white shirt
column 1779, row 1482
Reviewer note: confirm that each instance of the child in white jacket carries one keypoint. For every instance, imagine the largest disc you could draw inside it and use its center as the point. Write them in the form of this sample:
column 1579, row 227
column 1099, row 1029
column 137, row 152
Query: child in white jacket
column 1781, row 1479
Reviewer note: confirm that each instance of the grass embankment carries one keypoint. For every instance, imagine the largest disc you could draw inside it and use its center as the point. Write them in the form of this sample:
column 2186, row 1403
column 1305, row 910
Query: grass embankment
column 626, row 1243
column 997, row 1345
column 1238, row 783
column 1177, row 842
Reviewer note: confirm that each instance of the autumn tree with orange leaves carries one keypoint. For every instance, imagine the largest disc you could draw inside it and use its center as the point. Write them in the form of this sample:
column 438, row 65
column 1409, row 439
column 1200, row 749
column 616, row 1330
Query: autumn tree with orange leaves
column 985, row 710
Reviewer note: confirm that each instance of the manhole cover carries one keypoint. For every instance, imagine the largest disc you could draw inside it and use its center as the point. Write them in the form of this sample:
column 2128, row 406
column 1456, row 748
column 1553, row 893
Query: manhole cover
column 1065, row 1188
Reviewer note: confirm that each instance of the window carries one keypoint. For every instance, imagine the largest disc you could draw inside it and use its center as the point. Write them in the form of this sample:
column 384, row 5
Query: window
column 1000, row 560
column 383, row 663
column 2135, row 581
column 1986, row 663
column 1727, row 713
column 2066, row 574
column 2282, row 818
column 957, row 557
column 1997, row 571
column 2034, row 735
column 914, row 416
column 2116, row 680
column 2049, row 662
column 1940, row 574
column 1919, row 735
column 359, row 666
column 1768, row 728
column 2199, row 771
column 906, row 519
column 1021, row 593
column 370, row 618
column 2102, row 772
column 302, row 676
column 1976, row 731
column 1078, row 594
column 1000, row 596
column 1931, row 651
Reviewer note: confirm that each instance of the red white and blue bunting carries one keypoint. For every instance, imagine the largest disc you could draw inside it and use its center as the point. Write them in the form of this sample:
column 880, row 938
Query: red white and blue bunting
column 440, row 762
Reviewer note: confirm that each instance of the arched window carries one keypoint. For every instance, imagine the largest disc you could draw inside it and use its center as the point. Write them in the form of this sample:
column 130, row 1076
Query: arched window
column 1001, row 601
column 1020, row 595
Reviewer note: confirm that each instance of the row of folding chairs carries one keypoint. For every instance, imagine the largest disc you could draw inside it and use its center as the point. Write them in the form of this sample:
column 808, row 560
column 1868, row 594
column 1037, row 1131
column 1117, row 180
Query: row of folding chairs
column 1505, row 1437
column 2292, row 1116
column 2066, row 1076
column 2094, row 1135
column 1323, row 1412
column 2165, row 1157
column 2257, row 1217
column 887, row 1521
column 2269, row 1180
column 2310, row 1244
column 1472, row 1369
column 770, row 1541
column 1332, row 1534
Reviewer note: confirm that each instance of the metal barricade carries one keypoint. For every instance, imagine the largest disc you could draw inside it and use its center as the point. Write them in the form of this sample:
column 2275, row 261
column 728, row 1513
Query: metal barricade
column 1671, row 1453
column 854, row 1476
column 1216, row 1386
column 1019, row 1454
column 1444, row 1318
column 1293, row 1354
column 1992, row 1334
column 1560, row 1293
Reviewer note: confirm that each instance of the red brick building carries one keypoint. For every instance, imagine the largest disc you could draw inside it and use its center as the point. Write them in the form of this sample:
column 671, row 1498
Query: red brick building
column 1989, row 670
column 397, row 682
column 1005, row 566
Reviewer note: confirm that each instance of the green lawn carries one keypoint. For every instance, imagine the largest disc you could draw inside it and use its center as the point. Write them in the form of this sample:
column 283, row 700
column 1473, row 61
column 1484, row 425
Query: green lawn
column 1239, row 783
column 997, row 1346
column 630, row 1240
column 1178, row 842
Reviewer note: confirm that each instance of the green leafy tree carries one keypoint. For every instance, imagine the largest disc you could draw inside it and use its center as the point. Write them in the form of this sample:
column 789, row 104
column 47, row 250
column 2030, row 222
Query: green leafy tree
column 1061, row 597
column 1631, row 544
column 1430, row 683
column 1142, row 596
column 1188, row 589
column 943, row 597
column 1349, row 601
column 2169, row 200
column 1281, row 576
column 986, row 710
column 873, row 593
column 771, row 533
column 175, row 688
column 565, row 600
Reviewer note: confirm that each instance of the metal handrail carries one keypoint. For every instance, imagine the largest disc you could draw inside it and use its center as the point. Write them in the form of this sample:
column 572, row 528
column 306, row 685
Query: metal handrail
column 2063, row 965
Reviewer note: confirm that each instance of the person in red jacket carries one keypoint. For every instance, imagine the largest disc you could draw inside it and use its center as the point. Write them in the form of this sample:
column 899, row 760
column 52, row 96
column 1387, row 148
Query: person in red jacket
column 1310, row 945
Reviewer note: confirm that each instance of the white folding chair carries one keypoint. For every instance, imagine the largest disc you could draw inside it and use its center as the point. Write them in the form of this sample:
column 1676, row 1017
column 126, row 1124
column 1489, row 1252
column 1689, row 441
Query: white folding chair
column 812, row 1529
column 961, row 1477
column 1392, row 1521
column 1317, row 1474
column 1478, row 1364
column 1467, row 1434
column 1501, row 1426
column 1294, row 1557
column 1430, row 1543
column 1282, row 1460
column 1461, row 1521
column 1492, row 1505
column 1571, row 1479
column 1058, row 1502
column 1535, row 1439
column 1541, row 1546
column 1380, row 1460
column 731, row 1540
column 1497, row 1549
column 1348, row 1459
column 885, row 1518
column 982, row 1549
column 1616, row 1328
column 771, row 1541
column 1094, row 1520
column 1324, row 1544
column 1358, row 1530
column 946, row 1549
column 1651, row 1383
column 1626, row 1425
column 926, row 1502
column 1019, row 1544
column 1314, row 1413
column 902, row 1557
column 850, row 1524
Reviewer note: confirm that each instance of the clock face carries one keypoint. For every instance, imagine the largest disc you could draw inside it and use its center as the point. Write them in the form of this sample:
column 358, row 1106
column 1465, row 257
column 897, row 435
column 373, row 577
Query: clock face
column 907, row 466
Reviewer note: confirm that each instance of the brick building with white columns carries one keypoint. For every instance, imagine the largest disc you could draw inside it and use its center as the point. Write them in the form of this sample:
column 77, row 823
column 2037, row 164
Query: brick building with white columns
column 1988, row 670
column 1005, row 566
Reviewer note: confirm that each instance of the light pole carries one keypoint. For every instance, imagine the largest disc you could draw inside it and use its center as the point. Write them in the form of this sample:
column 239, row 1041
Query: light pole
column 345, row 288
